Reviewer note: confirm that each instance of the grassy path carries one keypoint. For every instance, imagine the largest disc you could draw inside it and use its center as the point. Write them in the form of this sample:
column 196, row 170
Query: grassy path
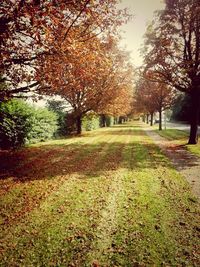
column 109, row 198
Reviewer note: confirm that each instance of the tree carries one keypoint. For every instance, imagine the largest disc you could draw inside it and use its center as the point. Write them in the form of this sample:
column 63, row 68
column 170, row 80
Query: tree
column 173, row 52
column 31, row 29
column 181, row 108
column 154, row 96
column 60, row 108
column 89, row 78
column 143, row 102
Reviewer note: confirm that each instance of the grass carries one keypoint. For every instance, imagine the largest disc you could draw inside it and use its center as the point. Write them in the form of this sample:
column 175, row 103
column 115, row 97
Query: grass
column 109, row 198
column 180, row 137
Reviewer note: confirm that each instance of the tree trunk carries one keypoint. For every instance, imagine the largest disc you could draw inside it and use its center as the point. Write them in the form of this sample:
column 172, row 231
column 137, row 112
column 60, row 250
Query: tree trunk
column 103, row 120
column 78, row 124
column 160, row 120
column 147, row 118
column 194, row 120
column 120, row 120
column 152, row 119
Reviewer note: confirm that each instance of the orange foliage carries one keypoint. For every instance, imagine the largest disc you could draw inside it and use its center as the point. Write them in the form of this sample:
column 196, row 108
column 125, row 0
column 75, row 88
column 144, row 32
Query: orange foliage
column 31, row 29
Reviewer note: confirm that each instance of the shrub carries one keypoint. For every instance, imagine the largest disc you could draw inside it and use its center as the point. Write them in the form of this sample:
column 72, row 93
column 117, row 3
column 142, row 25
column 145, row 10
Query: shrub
column 15, row 123
column 90, row 122
column 109, row 121
column 44, row 125
column 59, row 107
column 21, row 123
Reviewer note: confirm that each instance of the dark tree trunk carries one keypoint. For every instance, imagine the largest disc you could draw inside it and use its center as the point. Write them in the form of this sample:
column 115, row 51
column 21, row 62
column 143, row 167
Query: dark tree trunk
column 151, row 119
column 194, row 120
column 160, row 120
column 147, row 118
column 78, row 124
column 120, row 120
column 103, row 120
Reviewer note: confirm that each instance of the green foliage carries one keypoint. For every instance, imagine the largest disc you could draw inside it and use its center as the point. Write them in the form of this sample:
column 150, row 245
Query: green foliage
column 90, row 122
column 181, row 111
column 44, row 125
column 109, row 121
column 15, row 123
column 58, row 107
column 21, row 123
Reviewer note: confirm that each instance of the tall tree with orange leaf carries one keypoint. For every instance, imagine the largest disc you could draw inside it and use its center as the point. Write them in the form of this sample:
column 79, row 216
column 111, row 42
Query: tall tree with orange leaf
column 154, row 97
column 91, row 77
column 173, row 52
column 31, row 29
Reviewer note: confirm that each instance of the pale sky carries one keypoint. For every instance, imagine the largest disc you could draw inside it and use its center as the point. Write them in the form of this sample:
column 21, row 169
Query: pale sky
column 142, row 10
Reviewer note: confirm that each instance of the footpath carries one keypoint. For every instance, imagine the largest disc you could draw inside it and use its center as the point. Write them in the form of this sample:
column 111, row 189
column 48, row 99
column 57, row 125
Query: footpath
column 185, row 162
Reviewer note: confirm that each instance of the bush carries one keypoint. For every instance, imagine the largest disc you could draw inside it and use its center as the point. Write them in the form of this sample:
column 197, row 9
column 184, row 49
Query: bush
column 21, row 123
column 90, row 122
column 15, row 123
column 44, row 125
column 109, row 121
column 59, row 107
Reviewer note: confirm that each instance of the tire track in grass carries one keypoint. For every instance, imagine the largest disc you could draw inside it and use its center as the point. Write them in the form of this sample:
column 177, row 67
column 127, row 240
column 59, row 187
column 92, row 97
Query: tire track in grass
column 108, row 224
column 44, row 216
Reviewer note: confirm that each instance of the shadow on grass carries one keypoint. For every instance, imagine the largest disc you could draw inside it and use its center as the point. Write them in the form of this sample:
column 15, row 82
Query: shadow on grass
column 178, row 153
column 87, row 160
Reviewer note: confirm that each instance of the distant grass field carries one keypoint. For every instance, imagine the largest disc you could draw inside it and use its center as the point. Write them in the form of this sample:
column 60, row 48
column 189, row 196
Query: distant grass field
column 108, row 198
column 180, row 137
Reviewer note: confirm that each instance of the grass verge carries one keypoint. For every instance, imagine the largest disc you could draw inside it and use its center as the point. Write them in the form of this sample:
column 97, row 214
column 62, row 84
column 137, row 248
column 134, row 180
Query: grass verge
column 110, row 198
column 180, row 138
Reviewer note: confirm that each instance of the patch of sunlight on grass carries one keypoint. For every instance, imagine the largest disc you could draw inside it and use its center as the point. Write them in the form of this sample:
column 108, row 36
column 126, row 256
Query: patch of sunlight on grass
column 195, row 149
column 63, row 141
column 173, row 134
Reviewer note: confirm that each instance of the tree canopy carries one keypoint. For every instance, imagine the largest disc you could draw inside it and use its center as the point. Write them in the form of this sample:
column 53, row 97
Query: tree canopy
column 32, row 29
column 172, row 51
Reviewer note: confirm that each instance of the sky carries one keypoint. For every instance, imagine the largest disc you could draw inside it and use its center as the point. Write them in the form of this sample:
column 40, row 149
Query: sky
column 142, row 11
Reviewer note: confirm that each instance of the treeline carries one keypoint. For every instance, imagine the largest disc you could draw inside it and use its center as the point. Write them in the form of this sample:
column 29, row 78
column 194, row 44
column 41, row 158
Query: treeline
column 171, row 54
column 71, row 49
column 22, row 123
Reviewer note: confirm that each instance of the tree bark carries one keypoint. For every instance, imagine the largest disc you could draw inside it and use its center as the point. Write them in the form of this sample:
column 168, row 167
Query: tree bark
column 78, row 124
column 151, row 120
column 194, row 120
column 103, row 117
column 120, row 120
column 147, row 118
column 160, row 120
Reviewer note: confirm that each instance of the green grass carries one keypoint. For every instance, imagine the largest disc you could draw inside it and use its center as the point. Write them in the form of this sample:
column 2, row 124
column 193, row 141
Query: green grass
column 109, row 198
column 180, row 137
column 173, row 134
